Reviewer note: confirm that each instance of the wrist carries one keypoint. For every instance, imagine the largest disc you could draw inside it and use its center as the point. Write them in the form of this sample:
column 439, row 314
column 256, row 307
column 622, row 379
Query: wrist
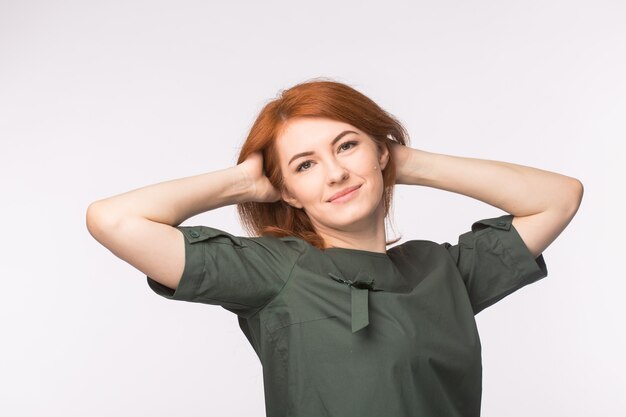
column 245, row 185
column 411, row 165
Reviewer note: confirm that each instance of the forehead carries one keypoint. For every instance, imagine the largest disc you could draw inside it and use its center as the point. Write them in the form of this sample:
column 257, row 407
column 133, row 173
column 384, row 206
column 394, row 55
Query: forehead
column 309, row 132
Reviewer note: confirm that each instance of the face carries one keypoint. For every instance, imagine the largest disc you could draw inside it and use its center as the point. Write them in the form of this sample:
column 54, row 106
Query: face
column 321, row 157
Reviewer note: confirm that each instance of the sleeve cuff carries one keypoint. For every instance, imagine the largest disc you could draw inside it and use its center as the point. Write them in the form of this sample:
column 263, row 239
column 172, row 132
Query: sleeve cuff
column 194, row 266
column 527, row 268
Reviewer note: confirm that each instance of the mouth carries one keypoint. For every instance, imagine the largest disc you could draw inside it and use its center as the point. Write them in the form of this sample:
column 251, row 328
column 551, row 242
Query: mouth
column 343, row 192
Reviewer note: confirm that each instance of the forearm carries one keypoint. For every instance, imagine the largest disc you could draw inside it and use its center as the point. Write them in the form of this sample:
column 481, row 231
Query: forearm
column 516, row 189
column 172, row 202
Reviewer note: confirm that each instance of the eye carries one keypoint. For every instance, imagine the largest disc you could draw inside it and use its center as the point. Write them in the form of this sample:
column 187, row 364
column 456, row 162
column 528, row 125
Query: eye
column 344, row 146
column 353, row 143
column 300, row 167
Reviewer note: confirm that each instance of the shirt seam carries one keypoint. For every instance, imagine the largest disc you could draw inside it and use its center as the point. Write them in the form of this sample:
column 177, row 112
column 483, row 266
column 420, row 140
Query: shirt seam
column 262, row 306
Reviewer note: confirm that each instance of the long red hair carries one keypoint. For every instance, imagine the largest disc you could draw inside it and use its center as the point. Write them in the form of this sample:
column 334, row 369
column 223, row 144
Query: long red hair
column 313, row 98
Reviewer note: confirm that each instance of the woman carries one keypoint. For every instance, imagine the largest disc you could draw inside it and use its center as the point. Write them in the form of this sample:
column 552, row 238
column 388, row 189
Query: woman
column 342, row 325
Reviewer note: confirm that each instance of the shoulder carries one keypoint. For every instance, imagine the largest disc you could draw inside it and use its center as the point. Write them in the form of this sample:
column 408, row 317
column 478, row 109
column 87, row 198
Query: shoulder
column 217, row 243
column 201, row 233
column 290, row 243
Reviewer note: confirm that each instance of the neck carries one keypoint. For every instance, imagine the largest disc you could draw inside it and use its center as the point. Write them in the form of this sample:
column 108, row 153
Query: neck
column 368, row 234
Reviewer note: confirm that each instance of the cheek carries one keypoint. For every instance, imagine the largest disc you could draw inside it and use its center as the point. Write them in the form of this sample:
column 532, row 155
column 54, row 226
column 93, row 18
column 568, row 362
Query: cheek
column 307, row 187
column 377, row 181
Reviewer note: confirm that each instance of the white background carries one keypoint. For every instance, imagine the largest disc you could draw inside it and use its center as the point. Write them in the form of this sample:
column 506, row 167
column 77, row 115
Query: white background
column 98, row 98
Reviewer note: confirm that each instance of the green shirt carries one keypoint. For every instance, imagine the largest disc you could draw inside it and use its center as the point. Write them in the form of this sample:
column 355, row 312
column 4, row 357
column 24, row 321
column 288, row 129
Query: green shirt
column 347, row 332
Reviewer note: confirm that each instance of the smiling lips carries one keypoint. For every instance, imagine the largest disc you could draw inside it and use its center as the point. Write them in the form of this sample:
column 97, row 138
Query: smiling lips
column 343, row 192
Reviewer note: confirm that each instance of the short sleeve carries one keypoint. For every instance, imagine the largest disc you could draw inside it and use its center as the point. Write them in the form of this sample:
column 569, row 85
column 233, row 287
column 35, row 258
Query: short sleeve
column 238, row 273
column 494, row 261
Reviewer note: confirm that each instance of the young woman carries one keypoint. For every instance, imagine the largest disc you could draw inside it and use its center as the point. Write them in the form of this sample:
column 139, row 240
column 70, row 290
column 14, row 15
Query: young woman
column 342, row 325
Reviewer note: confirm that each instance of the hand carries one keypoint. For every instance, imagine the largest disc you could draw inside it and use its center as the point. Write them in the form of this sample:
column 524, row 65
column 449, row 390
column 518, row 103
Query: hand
column 401, row 155
column 261, row 189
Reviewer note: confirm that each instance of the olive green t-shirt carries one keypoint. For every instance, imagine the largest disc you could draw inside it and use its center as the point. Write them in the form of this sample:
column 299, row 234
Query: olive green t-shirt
column 346, row 332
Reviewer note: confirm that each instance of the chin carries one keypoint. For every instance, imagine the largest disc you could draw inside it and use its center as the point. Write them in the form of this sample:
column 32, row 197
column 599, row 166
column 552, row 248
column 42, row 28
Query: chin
column 356, row 215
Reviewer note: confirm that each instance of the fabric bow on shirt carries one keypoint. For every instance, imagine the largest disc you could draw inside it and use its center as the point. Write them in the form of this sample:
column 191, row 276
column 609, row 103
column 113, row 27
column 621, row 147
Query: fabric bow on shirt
column 359, row 291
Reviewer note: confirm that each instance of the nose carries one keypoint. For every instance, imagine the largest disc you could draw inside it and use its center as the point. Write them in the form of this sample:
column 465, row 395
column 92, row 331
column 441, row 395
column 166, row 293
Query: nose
column 336, row 172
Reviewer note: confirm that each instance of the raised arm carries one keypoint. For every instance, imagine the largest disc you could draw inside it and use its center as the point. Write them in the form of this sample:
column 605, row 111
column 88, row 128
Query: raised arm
column 138, row 225
column 542, row 202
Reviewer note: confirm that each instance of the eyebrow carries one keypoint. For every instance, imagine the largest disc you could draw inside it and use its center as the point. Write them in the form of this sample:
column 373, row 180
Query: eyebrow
column 339, row 136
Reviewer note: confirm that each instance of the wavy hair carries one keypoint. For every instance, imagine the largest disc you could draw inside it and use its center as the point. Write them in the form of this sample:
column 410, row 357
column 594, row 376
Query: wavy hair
column 313, row 98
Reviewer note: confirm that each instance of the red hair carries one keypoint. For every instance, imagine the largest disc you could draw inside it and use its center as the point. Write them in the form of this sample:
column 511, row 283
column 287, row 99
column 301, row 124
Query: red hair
column 314, row 98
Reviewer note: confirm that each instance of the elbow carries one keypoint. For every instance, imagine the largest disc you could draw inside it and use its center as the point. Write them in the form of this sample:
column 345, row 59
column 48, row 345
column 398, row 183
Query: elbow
column 90, row 218
column 574, row 197
column 578, row 191
column 98, row 220
column 93, row 219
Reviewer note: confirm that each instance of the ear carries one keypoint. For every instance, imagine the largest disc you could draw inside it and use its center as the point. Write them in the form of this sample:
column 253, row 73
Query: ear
column 289, row 199
column 383, row 156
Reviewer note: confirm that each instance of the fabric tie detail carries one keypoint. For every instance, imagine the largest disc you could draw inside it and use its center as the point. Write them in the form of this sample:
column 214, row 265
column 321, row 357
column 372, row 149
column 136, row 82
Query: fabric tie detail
column 359, row 291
